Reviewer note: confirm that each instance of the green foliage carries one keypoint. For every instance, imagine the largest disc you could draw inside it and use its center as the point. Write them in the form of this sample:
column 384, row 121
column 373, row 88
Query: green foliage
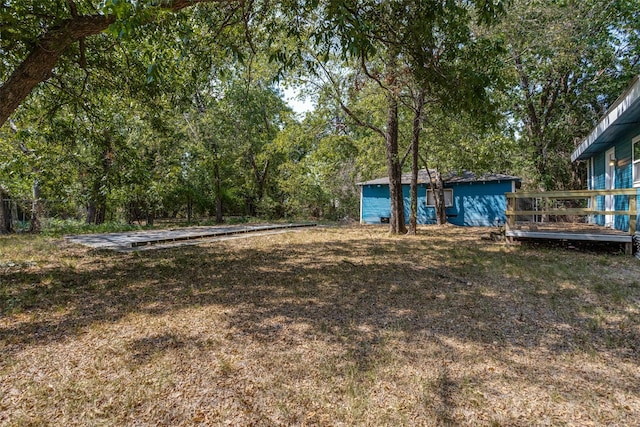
column 167, row 113
column 568, row 63
column 453, row 142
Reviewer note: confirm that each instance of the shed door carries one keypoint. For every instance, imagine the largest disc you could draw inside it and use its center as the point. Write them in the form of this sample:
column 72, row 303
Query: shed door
column 610, row 184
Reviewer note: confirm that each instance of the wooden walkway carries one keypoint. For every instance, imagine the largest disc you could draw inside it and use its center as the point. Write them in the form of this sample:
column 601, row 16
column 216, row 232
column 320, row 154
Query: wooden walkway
column 128, row 241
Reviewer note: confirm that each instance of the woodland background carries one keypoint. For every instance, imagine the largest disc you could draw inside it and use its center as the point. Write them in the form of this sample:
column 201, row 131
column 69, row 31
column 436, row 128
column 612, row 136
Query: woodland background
column 128, row 111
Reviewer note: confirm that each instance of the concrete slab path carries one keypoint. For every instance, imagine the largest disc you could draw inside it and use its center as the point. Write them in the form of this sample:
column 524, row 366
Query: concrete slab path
column 127, row 241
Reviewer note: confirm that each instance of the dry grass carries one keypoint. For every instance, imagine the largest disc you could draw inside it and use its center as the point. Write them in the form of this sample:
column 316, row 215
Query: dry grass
column 333, row 326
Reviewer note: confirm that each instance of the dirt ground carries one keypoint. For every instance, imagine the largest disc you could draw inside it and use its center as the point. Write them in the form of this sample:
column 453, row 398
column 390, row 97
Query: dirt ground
column 327, row 326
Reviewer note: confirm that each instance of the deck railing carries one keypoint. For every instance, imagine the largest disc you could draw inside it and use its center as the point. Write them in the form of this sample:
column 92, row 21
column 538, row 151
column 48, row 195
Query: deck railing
column 554, row 204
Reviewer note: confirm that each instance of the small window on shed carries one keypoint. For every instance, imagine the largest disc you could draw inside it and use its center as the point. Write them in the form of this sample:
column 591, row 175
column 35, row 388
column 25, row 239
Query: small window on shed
column 636, row 161
column 448, row 198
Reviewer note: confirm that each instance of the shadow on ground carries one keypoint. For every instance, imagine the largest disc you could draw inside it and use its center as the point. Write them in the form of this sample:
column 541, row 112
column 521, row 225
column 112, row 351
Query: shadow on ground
column 347, row 290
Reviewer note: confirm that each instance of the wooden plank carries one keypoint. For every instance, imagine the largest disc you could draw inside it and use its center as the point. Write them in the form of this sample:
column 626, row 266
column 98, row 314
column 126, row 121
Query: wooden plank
column 145, row 238
column 628, row 248
column 511, row 219
column 633, row 215
column 621, row 238
column 568, row 211
column 574, row 194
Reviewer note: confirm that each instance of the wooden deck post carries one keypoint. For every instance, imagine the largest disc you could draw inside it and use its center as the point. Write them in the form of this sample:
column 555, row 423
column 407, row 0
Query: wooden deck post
column 633, row 214
column 511, row 217
column 633, row 218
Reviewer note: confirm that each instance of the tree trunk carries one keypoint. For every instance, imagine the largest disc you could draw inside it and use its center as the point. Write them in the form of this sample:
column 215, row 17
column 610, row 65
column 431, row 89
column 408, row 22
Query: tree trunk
column 101, row 212
column 97, row 206
column 5, row 213
column 417, row 122
column 437, row 187
column 259, row 176
column 150, row 217
column 36, row 208
column 96, row 209
column 216, row 179
column 441, row 208
column 250, row 206
column 91, row 213
column 396, row 222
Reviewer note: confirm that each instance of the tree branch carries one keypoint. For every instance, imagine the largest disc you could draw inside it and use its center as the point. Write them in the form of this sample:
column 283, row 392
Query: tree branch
column 363, row 64
column 346, row 109
column 73, row 8
column 406, row 154
column 524, row 85
column 39, row 63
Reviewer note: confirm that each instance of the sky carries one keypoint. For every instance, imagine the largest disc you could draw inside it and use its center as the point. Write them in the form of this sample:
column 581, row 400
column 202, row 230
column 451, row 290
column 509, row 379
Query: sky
column 300, row 105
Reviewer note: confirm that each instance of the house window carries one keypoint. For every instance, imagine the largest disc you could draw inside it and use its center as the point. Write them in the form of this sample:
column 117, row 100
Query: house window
column 636, row 161
column 448, row 198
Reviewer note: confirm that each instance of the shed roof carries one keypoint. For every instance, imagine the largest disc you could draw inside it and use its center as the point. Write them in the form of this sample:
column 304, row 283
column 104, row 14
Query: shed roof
column 466, row 176
column 623, row 113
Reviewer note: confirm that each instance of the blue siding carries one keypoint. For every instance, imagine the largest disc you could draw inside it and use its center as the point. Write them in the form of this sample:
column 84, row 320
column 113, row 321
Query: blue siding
column 623, row 179
column 599, row 168
column 375, row 203
column 474, row 204
column 480, row 203
column 599, row 171
column 424, row 214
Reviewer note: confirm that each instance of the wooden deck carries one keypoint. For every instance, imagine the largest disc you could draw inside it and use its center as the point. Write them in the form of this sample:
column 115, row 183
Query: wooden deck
column 553, row 207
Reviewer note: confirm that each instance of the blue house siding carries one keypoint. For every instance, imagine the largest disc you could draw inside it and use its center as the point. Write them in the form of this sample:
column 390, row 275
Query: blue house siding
column 623, row 179
column 617, row 128
column 599, row 183
column 423, row 212
column 375, row 203
column 480, row 203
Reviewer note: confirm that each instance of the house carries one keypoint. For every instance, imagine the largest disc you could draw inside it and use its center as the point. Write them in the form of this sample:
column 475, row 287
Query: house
column 612, row 154
column 469, row 200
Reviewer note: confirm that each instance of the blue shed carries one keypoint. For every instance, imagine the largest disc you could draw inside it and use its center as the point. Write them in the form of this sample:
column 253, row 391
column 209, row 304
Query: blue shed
column 612, row 154
column 470, row 200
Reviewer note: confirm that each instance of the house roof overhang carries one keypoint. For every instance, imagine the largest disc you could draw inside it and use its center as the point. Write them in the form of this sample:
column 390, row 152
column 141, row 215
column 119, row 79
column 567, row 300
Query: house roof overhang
column 624, row 113
column 451, row 178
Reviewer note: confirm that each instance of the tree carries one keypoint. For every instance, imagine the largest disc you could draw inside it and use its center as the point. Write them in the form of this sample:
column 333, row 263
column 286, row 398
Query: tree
column 5, row 212
column 36, row 53
column 457, row 141
column 108, row 99
column 418, row 106
column 361, row 26
column 416, row 32
column 317, row 174
column 569, row 60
